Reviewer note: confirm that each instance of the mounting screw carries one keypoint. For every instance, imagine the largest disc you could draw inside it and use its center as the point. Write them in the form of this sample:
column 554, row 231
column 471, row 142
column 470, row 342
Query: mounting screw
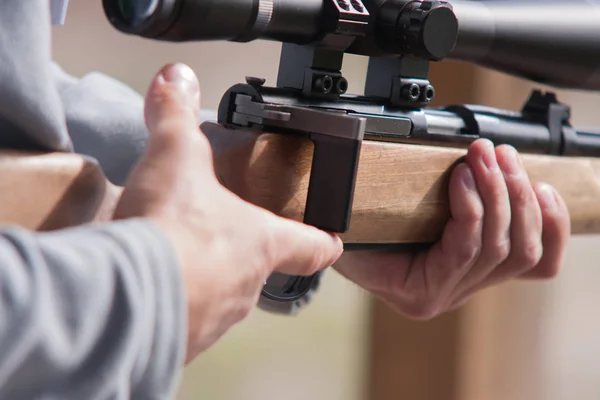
column 341, row 85
column 411, row 92
column 323, row 84
column 358, row 6
column 429, row 93
column 344, row 4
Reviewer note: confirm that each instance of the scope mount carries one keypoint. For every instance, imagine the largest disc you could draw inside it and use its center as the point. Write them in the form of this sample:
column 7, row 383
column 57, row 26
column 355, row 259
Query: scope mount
column 314, row 72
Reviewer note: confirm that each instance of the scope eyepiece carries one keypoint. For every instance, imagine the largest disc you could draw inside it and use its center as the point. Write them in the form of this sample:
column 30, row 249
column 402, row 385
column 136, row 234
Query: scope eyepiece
column 146, row 18
column 134, row 12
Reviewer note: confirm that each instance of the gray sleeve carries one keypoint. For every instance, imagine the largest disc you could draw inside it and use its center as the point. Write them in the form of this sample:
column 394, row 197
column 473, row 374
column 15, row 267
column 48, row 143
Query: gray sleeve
column 31, row 111
column 90, row 313
column 105, row 119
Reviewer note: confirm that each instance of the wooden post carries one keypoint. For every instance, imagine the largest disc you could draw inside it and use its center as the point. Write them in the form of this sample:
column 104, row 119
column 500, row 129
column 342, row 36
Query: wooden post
column 500, row 345
column 420, row 360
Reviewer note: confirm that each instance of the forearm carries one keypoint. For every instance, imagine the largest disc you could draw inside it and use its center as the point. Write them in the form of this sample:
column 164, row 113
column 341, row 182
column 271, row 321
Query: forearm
column 90, row 312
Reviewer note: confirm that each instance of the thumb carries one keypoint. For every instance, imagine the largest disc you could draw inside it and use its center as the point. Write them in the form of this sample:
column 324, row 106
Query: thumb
column 172, row 110
column 301, row 249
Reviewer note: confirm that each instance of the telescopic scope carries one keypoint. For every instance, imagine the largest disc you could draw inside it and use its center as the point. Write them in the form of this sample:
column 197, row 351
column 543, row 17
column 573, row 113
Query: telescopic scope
column 294, row 21
column 556, row 42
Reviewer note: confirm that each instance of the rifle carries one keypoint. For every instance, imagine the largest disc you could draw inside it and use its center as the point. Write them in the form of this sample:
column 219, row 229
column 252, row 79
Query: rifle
column 375, row 167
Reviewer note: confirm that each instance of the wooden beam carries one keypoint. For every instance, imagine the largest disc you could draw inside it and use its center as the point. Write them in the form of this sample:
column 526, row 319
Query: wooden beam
column 420, row 360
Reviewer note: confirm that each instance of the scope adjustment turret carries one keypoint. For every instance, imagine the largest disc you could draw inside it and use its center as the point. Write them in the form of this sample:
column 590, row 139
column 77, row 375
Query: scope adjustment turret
column 426, row 29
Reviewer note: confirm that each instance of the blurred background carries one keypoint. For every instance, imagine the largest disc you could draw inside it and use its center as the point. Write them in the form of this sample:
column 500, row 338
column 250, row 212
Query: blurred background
column 519, row 341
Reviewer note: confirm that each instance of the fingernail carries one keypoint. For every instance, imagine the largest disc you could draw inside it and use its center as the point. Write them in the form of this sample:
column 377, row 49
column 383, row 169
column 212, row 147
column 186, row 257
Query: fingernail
column 511, row 160
column 546, row 197
column 468, row 178
column 489, row 156
column 183, row 77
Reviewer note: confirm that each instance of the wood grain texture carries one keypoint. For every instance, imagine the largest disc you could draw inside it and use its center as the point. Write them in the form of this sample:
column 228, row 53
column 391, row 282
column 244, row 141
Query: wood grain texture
column 401, row 191
column 52, row 190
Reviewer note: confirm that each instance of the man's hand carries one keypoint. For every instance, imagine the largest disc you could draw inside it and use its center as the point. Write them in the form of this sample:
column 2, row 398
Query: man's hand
column 227, row 247
column 501, row 228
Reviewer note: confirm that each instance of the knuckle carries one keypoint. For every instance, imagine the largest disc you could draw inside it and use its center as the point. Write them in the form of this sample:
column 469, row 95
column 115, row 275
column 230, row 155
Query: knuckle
column 521, row 193
column 313, row 265
column 496, row 189
column 170, row 131
column 530, row 255
column 467, row 253
column 473, row 214
column 499, row 251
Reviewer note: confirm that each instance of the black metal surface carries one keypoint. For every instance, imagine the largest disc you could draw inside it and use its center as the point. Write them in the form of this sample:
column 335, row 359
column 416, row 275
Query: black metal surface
column 336, row 137
column 425, row 29
column 332, row 181
column 399, row 82
column 295, row 21
column 556, row 42
column 452, row 126
column 313, row 71
column 285, row 288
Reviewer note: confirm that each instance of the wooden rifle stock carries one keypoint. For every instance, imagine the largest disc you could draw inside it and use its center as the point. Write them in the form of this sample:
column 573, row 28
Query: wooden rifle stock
column 401, row 191
column 47, row 191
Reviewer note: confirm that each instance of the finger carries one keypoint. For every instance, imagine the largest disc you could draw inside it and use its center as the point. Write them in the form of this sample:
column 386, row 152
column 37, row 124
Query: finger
column 421, row 276
column 556, row 233
column 526, row 219
column 173, row 95
column 451, row 258
column 555, row 236
column 299, row 249
column 420, row 284
column 525, row 229
column 497, row 216
column 172, row 109
column 374, row 271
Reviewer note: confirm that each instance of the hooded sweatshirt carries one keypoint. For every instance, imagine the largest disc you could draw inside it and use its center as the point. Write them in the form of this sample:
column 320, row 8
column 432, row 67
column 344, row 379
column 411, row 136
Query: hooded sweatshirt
column 93, row 312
